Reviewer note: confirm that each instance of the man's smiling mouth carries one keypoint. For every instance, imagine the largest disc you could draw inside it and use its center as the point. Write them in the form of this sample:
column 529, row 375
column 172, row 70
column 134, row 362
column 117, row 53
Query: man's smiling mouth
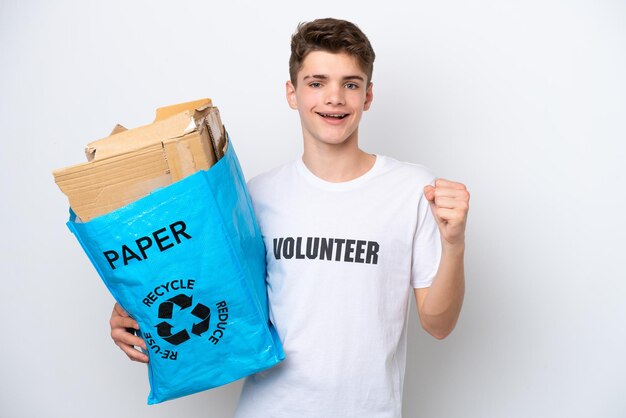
column 332, row 115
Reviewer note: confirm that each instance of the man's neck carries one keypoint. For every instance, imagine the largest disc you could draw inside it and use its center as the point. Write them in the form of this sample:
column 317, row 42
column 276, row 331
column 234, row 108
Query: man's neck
column 337, row 163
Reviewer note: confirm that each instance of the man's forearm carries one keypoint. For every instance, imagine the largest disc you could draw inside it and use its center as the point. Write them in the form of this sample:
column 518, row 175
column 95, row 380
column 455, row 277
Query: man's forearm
column 441, row 305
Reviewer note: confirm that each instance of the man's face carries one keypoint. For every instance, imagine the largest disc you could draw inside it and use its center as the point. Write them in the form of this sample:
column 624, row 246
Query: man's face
column 331, row 95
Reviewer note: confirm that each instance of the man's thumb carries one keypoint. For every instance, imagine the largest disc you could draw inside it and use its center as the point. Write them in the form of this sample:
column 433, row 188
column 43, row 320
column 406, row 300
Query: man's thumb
column 429, row 193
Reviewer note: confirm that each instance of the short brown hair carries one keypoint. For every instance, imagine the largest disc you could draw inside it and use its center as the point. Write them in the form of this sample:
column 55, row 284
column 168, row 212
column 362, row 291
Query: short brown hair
column 331, row 35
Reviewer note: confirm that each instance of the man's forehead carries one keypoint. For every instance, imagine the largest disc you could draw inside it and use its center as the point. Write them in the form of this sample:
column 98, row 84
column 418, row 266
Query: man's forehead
column 325, row 65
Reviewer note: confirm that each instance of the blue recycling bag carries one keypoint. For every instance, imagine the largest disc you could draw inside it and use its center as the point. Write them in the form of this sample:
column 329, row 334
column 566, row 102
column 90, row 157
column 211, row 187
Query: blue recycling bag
column 187, row 262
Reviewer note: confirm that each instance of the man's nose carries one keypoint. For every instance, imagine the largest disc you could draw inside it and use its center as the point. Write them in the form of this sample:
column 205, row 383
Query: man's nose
column 335, row 95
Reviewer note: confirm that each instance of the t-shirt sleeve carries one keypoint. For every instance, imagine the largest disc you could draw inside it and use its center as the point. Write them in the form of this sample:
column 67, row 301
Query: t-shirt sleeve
column 426, row 247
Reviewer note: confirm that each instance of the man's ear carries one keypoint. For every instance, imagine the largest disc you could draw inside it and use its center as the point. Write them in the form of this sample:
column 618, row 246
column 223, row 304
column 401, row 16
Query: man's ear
column 369, row 96
column 290, row 92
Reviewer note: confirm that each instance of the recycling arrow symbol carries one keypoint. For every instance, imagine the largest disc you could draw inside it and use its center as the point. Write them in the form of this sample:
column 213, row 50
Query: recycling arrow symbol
column 183, row 302
column 204, row 313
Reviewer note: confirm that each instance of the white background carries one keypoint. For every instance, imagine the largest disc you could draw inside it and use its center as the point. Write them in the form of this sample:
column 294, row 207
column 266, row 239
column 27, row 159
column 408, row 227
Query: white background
column 525, row 102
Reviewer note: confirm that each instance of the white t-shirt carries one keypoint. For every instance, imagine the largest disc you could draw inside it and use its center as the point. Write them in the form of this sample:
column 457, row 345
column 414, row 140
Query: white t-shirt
column 342, row 259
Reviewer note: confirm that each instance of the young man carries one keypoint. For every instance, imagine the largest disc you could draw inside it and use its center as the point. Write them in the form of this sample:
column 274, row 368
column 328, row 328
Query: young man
column 349, row 236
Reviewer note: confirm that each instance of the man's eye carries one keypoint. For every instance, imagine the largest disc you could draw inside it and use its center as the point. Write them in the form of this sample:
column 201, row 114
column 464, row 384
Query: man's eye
column 352, row 86
column 315, row 84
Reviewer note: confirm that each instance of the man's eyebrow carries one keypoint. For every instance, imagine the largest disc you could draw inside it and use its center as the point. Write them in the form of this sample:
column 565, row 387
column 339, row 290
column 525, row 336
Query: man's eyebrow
column 316, row 76
column 325, row 77
column 354, row 77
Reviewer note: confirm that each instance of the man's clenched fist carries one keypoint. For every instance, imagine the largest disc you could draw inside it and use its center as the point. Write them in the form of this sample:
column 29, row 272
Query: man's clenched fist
column 449, row 202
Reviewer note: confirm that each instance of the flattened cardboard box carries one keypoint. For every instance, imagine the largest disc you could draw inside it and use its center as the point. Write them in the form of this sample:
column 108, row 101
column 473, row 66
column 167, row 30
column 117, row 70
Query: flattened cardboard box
column 129, row 164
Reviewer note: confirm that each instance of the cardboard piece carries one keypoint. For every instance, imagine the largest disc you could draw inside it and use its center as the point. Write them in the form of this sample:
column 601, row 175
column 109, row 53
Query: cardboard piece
column 129, row 164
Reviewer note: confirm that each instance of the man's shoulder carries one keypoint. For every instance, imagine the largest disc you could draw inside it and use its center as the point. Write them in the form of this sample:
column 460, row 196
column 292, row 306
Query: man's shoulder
column 271, row 178
column 410, row 172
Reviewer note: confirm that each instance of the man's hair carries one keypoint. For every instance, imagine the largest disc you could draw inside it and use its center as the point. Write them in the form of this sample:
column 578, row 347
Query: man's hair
column 330, row 35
